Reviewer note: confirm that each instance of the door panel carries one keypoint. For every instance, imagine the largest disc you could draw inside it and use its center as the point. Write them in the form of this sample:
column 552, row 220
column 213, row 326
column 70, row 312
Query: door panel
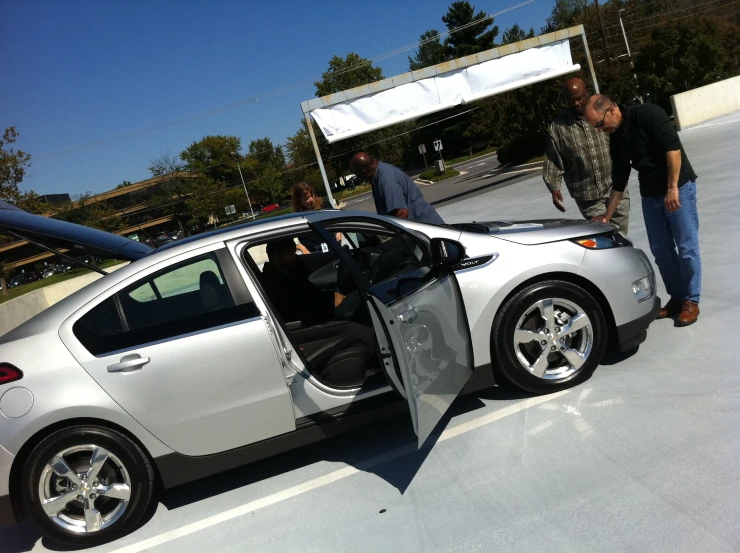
column 432, row 343
column 186, row 353
column 420, row 308
column 204, row 393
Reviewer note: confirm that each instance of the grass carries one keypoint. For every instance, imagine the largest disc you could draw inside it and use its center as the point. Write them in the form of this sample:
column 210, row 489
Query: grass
column 433, row 176
column 468, row 158
column 30, row 287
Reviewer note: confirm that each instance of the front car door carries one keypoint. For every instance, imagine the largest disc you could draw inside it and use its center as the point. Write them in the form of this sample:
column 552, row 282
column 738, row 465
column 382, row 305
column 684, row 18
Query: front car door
column 184, row 350
column 419, row 306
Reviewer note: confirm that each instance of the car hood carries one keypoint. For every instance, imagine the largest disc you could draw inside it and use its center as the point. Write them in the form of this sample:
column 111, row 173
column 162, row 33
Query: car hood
column 78, row 239
column 538, row 231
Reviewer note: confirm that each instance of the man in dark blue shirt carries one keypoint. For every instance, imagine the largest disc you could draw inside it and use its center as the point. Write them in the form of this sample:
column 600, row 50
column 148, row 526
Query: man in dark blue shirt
column 642, row 136
column 393, row 191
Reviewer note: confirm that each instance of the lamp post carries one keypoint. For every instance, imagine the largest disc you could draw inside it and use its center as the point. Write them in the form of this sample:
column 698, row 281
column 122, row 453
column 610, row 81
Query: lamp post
column 629, row 54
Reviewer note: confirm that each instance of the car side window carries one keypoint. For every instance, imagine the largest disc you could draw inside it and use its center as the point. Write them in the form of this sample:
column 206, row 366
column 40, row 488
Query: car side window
column 395, row 263
column 189, row 297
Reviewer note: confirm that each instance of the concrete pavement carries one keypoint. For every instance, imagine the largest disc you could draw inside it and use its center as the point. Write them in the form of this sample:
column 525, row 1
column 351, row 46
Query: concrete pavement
column 642, row 457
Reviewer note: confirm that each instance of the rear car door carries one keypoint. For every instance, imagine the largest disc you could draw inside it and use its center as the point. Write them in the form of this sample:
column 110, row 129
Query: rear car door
column 185, row 351
column 419, row 306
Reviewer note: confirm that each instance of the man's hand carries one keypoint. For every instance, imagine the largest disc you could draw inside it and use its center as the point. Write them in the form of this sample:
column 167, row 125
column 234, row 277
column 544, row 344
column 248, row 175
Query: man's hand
column 402, row 213
column 601, row 219
column 557, row 200
column 672, row 203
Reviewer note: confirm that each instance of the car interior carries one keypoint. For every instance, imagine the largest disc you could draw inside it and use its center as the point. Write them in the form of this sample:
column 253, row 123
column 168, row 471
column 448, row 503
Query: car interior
column 340, row 349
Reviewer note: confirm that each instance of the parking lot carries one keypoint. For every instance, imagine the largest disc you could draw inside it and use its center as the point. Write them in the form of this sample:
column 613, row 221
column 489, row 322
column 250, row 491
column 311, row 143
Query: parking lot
column 642, row 457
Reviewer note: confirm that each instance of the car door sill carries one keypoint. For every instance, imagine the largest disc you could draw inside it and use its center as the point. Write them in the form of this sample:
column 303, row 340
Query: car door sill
column 176, row 469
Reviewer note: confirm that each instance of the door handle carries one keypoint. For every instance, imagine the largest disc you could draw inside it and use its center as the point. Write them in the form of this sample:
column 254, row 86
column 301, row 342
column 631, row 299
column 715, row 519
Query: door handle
column 409, row 316
column 128, row 363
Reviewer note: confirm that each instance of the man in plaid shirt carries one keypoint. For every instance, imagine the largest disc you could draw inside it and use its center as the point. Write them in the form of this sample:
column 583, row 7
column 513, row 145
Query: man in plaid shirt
column 579, row 154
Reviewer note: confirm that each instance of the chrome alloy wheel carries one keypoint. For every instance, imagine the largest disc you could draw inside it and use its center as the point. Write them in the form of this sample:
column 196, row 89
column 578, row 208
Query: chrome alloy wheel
column 84, row 489
column 553, row 339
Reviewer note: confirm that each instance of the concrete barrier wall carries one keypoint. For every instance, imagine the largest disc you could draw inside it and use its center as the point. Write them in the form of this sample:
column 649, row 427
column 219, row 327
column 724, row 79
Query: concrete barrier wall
column 707, row 102
column 17, row 311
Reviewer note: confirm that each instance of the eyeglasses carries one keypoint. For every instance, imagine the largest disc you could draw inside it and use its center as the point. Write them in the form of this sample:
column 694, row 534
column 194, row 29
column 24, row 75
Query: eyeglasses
column 601, row 123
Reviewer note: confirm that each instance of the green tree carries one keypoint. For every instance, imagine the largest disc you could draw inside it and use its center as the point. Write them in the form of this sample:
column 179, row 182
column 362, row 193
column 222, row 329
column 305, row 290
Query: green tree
column 215, row 157
column 266, row 153
column 472, row 33
column 269, row 186
column 431, row 51
column 13, row 165
column 347, row 72
column 515, row 34
column 565, row 13
column 206, row 198
column 686, row 54
column 165, row 164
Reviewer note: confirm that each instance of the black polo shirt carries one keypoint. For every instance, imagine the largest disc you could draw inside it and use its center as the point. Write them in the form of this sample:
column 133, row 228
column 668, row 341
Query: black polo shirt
column 642, row 141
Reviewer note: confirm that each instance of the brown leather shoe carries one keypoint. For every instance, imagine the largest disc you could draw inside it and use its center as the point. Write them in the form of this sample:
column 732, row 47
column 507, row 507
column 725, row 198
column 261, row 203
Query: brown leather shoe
column 671, row 309
column 689, row 313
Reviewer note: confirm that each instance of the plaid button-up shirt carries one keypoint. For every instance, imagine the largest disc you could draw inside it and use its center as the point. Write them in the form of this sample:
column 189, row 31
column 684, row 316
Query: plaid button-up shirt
column 579, row 154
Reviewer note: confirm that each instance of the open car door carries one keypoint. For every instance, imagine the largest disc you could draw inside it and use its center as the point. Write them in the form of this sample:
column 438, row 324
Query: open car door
column 419, row 306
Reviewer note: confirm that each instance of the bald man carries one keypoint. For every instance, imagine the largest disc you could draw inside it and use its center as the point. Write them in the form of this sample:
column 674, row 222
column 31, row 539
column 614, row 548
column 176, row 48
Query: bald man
column 579, row 155
column 643, row 137
column 393, row 191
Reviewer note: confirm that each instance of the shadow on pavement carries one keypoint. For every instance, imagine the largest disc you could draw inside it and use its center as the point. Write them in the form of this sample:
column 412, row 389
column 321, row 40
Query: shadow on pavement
column 478, row 177
column 387, row 449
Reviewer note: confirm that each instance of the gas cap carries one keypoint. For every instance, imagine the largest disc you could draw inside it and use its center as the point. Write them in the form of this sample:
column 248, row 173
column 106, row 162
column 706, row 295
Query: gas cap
column 16, row 402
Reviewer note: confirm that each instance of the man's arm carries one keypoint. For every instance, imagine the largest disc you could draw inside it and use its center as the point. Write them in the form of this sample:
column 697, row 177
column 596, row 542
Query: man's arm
column 673, row 165
column 552, row 172
column 393, row 199
column 620, row 176
column 660, row 129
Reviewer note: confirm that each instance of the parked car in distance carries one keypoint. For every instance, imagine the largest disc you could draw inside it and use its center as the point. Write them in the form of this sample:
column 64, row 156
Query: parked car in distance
column 270, row 207
column 49, row 271
column 23, row 278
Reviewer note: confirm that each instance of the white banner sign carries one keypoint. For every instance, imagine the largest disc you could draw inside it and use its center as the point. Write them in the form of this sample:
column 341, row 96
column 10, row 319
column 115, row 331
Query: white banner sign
column 412, row 100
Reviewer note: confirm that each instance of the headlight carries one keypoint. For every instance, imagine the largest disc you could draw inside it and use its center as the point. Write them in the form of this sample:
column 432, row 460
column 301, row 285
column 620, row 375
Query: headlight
column 603, row 241
column 643, row 288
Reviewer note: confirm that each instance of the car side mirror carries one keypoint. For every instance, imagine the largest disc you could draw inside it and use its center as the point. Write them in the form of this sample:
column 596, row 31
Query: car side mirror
column 446, row 253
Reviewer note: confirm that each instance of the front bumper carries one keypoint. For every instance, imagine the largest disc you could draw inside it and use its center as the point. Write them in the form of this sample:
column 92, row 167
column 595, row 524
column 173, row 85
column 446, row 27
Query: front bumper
column 7, row 514
column 632, row 334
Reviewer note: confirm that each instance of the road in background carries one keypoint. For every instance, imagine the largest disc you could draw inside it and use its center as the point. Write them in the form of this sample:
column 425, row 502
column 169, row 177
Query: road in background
column 481, row 175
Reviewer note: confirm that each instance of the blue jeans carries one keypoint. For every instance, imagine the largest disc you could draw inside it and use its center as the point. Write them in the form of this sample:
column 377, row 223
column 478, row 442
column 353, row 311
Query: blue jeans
column 674, row 241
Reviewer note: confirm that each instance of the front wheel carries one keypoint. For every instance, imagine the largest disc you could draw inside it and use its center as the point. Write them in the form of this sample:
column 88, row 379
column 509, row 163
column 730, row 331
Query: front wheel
column 87, row 485
column 549, row 336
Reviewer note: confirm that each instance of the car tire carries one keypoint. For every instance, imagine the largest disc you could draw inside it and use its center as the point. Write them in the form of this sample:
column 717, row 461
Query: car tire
column 100, row 512
column 539, row 359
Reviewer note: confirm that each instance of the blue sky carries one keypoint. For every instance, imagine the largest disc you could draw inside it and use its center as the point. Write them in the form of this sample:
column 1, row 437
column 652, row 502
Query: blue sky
column 79, row 72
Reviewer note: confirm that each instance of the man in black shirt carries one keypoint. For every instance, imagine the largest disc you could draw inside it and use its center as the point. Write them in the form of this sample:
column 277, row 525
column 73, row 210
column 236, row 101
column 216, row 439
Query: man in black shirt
column 286, row 281
column 644, row 136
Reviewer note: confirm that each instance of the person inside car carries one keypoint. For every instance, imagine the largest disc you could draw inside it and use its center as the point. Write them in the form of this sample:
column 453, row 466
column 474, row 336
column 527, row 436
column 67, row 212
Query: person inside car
column 303, row 198
column 286, row 281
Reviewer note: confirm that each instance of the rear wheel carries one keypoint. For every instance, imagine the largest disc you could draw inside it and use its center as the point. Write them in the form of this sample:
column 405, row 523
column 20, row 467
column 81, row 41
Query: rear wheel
column 87, row 485
column 549, row 336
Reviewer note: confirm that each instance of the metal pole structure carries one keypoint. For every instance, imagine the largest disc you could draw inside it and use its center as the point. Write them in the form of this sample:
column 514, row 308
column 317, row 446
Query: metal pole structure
column 329, row 195
column 245, row 188
column 590, row 63
column 603, row 33
column 629, row 55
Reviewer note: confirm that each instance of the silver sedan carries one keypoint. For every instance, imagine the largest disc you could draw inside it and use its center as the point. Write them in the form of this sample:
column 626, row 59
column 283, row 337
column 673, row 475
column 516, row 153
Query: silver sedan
column 217, row 350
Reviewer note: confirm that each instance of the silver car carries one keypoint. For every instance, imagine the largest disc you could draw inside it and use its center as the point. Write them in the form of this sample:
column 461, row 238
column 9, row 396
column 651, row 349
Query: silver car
column 220, row 349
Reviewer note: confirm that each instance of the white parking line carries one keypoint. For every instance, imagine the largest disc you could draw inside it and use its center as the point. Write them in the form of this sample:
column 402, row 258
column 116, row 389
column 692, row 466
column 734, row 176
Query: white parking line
column 331, row 477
